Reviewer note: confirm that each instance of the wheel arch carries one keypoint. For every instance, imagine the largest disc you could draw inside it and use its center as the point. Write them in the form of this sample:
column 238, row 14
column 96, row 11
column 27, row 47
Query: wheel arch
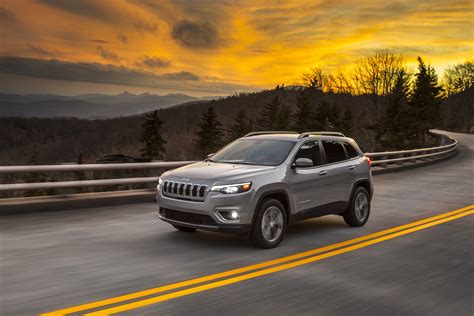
column 366, row 184
column 280, row 195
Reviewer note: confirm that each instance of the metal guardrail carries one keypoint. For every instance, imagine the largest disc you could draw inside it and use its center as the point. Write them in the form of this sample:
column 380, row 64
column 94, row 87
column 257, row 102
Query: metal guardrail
column 379, row 159
column 383, row 159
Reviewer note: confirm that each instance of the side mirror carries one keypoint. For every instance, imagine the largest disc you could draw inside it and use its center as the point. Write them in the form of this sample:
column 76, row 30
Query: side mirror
column 302, row 163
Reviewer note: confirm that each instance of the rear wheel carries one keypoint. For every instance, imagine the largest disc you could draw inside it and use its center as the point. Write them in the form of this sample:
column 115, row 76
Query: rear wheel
column 270, row 224
column 359, row 209
column 184, row 228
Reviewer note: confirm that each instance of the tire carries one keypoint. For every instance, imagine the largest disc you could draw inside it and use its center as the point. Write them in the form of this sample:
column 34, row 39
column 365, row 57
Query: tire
column 269, row 235
column 359, row 209
column 184, row 229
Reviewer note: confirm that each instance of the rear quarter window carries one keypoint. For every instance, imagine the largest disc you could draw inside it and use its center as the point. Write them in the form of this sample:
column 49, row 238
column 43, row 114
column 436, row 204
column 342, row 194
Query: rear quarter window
column 334, row 151
column 351, row 151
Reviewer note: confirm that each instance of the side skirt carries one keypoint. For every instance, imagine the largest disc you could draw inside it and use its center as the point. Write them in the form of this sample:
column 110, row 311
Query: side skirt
column 335, row 208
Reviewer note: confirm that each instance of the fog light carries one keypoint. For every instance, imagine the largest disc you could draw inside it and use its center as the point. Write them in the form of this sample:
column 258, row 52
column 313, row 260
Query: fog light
column 229, row 215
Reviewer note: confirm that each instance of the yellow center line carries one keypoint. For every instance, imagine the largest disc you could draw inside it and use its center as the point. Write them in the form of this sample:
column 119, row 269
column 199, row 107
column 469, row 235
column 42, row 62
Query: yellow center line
column 126, row 297
column 213, row 285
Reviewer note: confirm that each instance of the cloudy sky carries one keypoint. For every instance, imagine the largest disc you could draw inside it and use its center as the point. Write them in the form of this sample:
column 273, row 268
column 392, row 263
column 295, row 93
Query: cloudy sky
column 211, row 47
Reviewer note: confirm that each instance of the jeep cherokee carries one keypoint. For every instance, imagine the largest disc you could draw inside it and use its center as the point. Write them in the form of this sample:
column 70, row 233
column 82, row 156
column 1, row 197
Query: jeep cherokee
column 260, row 183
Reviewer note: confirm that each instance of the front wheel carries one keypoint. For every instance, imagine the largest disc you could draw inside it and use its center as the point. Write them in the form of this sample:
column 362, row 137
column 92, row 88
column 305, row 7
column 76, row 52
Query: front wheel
column 184, row 228
column 359, row 209
column 270, row 224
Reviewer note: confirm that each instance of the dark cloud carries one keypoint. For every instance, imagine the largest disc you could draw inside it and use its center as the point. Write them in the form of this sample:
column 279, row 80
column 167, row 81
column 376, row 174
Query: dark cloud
column 87, row 8
column 100, row 41
column 219, row 12
column 144, row 26
column 7, row 15
column 107, row 55
column 122, row 38
column 195, row 34
column 39, row 51
column 87, row 72
column 111, row 74
column 154, row 62
column 182, row 75
column 260, row 51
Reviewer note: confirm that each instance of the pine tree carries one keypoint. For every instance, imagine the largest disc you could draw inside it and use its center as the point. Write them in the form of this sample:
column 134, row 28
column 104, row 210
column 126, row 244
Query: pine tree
column 333, row 118
column 240, row 126
column 270, row 115
column 304, row 117
column 343, row 123
column 426, row 99
column 151, row 137
column 209, row 135
column 283, row 119
column 322, row 112
column 397, row 128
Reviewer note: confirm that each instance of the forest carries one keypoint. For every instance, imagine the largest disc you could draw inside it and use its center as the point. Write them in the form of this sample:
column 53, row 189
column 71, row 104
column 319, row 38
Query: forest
column 382, row 103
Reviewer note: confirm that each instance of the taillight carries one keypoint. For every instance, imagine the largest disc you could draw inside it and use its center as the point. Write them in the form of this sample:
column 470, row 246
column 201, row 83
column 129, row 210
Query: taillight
column 369, row 161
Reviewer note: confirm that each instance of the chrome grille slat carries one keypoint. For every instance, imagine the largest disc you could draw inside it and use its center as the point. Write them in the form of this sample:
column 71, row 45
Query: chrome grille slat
column 187, row 189
column 175, row 187
column 184, row 190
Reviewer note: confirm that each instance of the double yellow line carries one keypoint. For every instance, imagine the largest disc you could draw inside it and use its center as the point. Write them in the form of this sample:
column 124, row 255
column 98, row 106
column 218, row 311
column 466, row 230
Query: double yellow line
column 257, row 270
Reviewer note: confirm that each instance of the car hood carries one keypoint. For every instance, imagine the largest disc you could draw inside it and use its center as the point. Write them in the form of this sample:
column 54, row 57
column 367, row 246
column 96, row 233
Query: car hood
column 205, row 170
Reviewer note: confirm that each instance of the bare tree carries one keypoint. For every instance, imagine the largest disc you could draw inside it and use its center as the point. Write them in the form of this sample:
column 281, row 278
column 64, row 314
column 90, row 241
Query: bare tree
column 459, row 77
column 319, row 79
column 377, row 73
column 342, row 83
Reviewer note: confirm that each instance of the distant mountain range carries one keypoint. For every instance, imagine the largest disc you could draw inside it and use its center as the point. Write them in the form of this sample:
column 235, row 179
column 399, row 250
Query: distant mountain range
column 88, row 105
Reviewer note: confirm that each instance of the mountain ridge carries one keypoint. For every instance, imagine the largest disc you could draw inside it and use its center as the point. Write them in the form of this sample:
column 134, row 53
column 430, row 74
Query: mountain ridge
column 89, row 106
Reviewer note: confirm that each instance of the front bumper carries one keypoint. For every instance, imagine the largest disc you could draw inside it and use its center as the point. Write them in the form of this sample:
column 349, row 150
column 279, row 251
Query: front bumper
column 204, row 214
column 223, row 228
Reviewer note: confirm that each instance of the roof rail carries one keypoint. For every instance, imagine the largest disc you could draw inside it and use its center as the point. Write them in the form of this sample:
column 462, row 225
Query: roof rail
column 306, row 134
column 269, row 132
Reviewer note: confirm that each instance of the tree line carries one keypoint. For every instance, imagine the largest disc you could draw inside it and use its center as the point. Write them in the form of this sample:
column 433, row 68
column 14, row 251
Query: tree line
column 413, row 109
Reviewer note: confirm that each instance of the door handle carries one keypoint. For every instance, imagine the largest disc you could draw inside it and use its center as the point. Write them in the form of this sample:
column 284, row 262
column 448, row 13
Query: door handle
column 352, row 167
column 322, row 173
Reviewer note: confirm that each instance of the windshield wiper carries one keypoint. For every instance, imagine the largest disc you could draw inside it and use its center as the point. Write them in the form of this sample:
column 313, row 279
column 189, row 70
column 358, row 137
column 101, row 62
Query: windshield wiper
column 233, row 162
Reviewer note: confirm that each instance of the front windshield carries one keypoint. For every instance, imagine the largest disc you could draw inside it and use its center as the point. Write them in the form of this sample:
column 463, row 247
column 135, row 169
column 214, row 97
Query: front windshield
column 254, row 152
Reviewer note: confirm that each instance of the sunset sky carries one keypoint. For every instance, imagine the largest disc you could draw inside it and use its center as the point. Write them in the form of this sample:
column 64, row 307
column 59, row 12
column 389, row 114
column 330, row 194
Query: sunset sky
column 209, row 47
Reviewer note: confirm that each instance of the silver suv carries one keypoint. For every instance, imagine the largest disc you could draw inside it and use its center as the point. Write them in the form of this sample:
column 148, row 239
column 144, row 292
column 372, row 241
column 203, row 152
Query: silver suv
column 260, row 183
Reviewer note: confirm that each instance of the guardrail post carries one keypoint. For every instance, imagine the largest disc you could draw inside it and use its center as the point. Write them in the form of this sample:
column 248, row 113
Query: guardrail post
column 384, row 165
column 400, row 162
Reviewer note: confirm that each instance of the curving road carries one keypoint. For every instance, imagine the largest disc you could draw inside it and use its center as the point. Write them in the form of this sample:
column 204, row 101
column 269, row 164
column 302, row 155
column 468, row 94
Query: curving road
column 55, row 260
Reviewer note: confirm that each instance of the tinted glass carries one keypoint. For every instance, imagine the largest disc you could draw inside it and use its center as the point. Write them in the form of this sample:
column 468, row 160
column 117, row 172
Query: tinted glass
column 351, row 150
column 334, row 151
column 255, row 152
column 310, row 150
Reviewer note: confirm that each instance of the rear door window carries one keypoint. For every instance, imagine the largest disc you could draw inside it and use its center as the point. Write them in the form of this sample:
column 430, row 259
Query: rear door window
column 334, row 151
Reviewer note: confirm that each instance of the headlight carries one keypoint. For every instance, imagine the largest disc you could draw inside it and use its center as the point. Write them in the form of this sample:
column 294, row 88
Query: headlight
column 232, row 188
column 160, row 184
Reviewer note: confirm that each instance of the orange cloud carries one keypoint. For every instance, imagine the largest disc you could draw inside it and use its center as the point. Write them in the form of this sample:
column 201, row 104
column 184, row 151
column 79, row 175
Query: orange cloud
column 244, row 44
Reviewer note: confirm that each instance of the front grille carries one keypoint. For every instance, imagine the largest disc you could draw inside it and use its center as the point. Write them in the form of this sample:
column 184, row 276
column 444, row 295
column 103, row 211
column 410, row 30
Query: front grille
column 186, row 217
column 186, row 191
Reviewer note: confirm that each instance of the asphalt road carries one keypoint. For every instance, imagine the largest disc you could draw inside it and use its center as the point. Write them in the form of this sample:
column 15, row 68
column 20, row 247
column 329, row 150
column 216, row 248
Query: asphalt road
column 56, row 260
